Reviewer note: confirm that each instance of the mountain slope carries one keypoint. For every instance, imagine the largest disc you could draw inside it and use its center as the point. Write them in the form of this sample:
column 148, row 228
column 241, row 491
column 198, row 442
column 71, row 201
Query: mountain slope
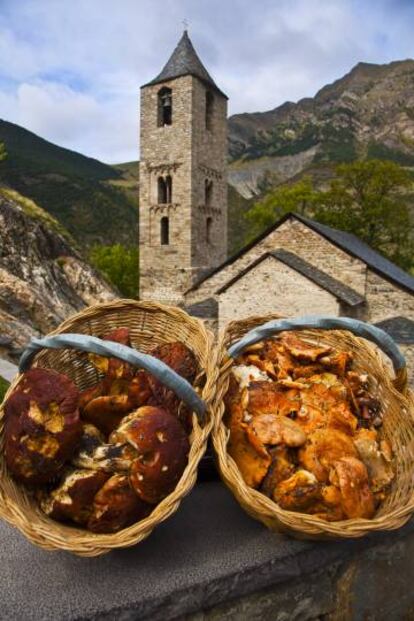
column 43, row 279
column 367, row 113
column 85, row 195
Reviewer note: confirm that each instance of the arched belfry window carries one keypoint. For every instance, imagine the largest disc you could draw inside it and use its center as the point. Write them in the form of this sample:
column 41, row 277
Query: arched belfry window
column 164, row 107
column 162, row 191
column 164, row 231
column 208, row 192
column 209, row 109
column 209, row 225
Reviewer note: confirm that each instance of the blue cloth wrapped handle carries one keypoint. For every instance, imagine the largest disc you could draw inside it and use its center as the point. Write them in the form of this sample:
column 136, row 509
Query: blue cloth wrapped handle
column 357, row 327
column 92, row 344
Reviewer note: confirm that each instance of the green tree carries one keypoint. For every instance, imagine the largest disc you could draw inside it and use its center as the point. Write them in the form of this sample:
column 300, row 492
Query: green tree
column 300, row 197
column 369, row 199
column 119, row 264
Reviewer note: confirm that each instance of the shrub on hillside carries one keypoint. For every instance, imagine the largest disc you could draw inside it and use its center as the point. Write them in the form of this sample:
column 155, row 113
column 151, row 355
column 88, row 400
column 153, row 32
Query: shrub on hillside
column 119, row 264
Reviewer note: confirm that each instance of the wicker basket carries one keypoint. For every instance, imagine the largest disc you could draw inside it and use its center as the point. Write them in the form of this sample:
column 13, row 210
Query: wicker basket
column 149, row 324
column 398, row 427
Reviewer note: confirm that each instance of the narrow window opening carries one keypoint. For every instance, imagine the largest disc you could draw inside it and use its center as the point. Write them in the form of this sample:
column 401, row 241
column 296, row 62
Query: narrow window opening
column 165, row 231
column 164, row 107
column 208, row 192
column 168, row 189
column 162, row 191
column 209, row 224
column 209, row 109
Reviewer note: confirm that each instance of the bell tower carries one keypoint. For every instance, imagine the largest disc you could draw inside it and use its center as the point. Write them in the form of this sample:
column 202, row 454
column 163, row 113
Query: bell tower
column 183, row 182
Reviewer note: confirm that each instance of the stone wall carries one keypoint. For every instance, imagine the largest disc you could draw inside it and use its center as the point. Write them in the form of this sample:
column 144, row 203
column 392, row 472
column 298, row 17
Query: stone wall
column 386, row 300
column 298, row 238
column 189, row 153
column 271, row 286
column 209, row 161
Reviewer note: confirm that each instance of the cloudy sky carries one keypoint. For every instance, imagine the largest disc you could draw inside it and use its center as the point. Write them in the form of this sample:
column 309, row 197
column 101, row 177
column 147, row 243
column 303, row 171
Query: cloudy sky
column 70, row 70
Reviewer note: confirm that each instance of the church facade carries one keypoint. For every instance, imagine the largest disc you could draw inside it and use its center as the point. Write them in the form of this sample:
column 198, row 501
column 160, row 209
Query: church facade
column 296, row 267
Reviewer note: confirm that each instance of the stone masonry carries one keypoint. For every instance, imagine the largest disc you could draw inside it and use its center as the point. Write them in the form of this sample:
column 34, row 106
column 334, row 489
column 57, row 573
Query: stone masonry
column 191, row 151
column 294, row 236
column 269, row 286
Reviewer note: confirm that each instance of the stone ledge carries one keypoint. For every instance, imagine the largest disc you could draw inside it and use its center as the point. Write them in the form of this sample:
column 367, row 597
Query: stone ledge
column 208, row 553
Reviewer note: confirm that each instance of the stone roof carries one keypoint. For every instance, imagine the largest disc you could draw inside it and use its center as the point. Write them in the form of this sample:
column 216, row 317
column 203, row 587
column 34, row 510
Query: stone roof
column 325, row 281
column 346, row 241
column 185, row 61
column 401, row 329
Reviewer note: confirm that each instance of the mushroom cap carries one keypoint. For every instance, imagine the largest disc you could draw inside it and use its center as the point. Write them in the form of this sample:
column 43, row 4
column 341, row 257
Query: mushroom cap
column 182, row 361
column 113, row 368
column 116, row 506
column 106, row 412
column 42, row 425
column 161, row 446
column 73, row 498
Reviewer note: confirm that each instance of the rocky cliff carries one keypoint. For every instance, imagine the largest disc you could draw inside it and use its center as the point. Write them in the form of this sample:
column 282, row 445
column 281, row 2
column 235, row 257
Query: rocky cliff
column 43, row 278
column 367, row 113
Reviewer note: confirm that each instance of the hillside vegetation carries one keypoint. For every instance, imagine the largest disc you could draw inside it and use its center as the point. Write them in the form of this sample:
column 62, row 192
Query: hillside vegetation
column 90, row 199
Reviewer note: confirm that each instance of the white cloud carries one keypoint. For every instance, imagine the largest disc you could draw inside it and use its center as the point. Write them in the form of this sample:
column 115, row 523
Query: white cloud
column 73, row 69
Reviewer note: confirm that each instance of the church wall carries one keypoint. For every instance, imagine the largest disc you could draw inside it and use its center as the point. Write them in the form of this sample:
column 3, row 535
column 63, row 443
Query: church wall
column 272, row 286
column 298, row 238
column 386, row 299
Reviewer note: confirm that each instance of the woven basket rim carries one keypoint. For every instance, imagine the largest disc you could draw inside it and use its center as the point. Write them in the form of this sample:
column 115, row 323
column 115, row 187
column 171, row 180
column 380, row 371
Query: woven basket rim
column 265, row 509
column 42, row 531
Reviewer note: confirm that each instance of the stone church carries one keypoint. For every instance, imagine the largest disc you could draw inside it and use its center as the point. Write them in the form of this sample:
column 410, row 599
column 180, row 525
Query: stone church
column 296, row 267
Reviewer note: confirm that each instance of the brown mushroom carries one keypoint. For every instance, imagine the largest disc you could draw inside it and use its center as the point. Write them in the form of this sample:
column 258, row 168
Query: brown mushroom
column 161, row 447
column 110, row 401
column 42, row 425
column 114, row 368
column 182, row 360
column 73, row 498
column 106, row 412
column 116, row 506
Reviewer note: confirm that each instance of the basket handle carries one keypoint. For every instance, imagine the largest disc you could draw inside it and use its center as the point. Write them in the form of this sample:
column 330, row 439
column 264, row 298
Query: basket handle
column 357, row 327
column 92, row 344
